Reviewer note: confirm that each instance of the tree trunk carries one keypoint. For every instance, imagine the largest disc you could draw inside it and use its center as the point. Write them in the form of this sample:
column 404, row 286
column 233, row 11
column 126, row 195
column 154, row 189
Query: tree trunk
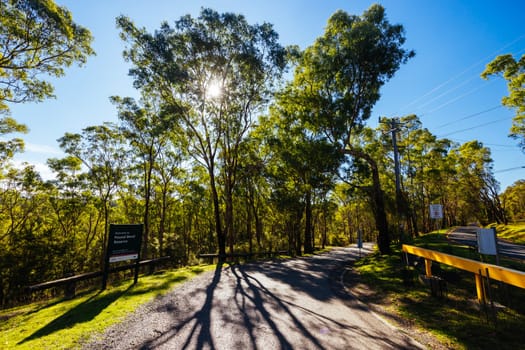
column 221, row 239
column 162, row 224
column 147, row 201
column 308, row 248
column 228, row 218
column 297, row 232
column 383, row 238
column 325, row 229
column 258, row 223
column 249, row 227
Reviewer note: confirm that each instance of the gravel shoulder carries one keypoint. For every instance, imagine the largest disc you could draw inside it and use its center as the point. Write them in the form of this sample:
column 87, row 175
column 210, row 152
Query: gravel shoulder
column 382, row 307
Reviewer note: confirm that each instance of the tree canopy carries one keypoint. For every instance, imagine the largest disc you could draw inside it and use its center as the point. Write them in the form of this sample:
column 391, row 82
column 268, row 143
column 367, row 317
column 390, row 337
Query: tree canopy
column 37, row 38
column 337, row 82
column 513, row 71
column 212, row 74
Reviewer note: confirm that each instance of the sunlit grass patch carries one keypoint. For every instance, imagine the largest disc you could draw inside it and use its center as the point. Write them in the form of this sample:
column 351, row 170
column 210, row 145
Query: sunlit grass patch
column 65, row 324
column 511, row 232
column 457, row 318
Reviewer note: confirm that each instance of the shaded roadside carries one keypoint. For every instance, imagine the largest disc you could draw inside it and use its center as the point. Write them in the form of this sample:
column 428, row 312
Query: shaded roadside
column 291, row 304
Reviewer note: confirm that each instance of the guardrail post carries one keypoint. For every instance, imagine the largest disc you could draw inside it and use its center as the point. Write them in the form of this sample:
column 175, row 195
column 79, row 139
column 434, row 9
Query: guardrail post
column 479, row 287
column 428, row 267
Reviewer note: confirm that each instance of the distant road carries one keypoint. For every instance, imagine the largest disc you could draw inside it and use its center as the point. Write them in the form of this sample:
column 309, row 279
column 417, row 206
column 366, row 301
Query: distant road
column 292, row 304
column 467, row 235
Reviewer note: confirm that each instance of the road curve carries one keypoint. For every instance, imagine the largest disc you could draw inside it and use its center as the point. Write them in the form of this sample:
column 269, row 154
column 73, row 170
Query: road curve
column 467, row 235
column 291, row 304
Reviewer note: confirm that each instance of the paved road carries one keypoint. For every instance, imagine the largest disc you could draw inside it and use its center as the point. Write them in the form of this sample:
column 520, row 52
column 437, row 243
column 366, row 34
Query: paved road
column 293, row 304
column 467, row 235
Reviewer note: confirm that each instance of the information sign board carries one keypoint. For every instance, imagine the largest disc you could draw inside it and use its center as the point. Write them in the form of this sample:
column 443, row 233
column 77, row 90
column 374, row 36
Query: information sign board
column 359, row 239
column 124, row 242
column 436, row 211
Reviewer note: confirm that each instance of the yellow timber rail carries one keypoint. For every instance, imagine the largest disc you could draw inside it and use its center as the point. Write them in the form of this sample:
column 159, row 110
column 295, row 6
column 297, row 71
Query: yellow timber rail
column 479, row 269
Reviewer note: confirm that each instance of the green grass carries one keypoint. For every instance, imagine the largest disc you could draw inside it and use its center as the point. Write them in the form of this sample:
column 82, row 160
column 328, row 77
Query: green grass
column 512, row 232
column 65, row 324
column 457, row 319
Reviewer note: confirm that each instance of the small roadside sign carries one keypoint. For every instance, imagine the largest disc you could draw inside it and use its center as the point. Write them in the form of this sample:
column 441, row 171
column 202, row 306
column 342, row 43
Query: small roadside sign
column 487, row 241
column 436, row 211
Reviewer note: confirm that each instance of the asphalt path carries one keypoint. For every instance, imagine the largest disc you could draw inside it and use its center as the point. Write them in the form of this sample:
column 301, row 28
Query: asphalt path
column 466, row 235
column 282, row 304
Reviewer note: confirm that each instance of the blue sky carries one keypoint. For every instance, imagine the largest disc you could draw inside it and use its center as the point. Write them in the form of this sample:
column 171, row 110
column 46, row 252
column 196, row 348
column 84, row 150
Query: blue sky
column 453, row 41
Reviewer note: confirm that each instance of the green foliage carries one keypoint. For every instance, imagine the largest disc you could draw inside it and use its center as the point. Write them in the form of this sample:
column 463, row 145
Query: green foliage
column 37, row 38
column 337, row 81
column 511, row 232
column 513, row 71
column 212, row 73
column 10, row 147
column 513, row 200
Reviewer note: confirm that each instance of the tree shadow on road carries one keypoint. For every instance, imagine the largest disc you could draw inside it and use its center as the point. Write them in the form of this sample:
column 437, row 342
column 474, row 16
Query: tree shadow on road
column 316, row 276
column 240, row 308
column 201, row 320
column 262, row 298
column 312, row 326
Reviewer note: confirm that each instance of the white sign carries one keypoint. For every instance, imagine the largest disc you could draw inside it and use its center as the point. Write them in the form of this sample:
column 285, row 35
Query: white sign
column 487, row 241
column 436, row 211
column 116, row 258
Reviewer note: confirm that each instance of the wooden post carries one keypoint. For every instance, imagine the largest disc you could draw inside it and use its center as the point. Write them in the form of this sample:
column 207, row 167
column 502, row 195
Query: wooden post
column 428, row 267
column 105, row 272
column 479, row 287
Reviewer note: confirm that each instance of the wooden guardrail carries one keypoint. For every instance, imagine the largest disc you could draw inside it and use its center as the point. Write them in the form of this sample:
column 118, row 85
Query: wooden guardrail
column 479, row 269
column 213, row 256
column 71, row 281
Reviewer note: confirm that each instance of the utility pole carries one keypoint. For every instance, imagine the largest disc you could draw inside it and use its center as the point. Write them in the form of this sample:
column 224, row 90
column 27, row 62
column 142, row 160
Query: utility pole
column 394, row 127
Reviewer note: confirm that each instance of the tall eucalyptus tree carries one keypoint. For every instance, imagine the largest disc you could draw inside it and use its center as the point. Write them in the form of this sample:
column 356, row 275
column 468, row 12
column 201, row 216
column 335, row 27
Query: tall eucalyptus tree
column 146, row 129
column 513, row 71
column 213, row 72
column 337, row 82
column 102, row 151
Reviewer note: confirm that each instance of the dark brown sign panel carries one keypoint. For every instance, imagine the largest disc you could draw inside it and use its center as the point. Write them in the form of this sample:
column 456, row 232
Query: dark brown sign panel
column 124, row 242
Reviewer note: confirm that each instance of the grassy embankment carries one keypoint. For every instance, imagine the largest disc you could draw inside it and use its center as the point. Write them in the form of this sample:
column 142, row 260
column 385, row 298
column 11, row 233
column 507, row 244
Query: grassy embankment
column 511, row 232
column 65, row 324
column 457, row 319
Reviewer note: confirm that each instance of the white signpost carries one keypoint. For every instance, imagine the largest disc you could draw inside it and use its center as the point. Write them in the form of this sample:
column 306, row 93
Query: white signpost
column 486, row 241
column 436, row 211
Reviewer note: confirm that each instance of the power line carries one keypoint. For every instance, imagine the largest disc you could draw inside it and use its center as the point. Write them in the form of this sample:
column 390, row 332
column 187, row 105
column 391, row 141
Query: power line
column 469, row 116
column 488, row 144
column 454, row 99
column 440, row 86
column 475, row 127
column 446, row 92
column 509, row 169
